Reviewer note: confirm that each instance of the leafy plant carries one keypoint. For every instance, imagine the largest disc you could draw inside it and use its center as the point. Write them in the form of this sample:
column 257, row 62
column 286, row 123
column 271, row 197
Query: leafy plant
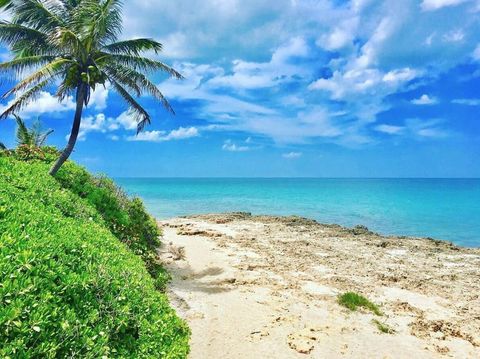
column 68, row 286
column 126, row 218
column 33, row 136
column 353, row 300
column 75, row 43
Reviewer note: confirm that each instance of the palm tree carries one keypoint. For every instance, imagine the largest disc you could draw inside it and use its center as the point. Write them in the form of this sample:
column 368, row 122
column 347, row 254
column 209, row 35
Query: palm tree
column 2, row 147
column 33, row 136
column 74, row 43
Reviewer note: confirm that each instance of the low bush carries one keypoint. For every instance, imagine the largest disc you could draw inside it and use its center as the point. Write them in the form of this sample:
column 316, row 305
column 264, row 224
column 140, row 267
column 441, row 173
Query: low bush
column 68, row 286
column 126, row 218
column 353, row 300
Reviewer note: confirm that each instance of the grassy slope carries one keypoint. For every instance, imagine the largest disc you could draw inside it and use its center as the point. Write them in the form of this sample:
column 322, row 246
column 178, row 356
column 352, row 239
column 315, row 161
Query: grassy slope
column 68, row 286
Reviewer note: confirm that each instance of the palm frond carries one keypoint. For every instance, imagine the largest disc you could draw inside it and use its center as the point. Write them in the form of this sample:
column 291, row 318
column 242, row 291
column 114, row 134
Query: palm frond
column 38, row 135
column 39, row 15
column 99, row 21
column 42, row 137
column 22, row 134
column 2, row 146
column 67, row 40
column 139, row 63
column 140, row 114
column 64, row 90
column 20, row 37
column 48, row 71
column 5, row 4
column 133, row 47
column 24, row 99
column 113, row 72
column 21, row 64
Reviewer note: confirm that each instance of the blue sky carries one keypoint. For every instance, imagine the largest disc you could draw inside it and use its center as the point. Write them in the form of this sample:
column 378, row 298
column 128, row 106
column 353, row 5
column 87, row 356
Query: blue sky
column 323, row 88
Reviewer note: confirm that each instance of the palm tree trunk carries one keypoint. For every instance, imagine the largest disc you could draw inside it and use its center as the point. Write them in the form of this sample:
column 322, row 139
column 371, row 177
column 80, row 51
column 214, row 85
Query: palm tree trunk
column 81, row 92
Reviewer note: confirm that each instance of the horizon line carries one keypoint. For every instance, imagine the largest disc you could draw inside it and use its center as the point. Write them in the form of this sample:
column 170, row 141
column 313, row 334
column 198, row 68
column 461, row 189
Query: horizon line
column 283, row 177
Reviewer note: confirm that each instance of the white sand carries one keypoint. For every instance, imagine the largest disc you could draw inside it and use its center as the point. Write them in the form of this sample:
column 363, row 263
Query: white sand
column 267, row 287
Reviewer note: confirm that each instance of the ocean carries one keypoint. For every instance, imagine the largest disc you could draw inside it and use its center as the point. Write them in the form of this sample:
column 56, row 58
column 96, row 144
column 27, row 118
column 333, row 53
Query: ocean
column 446, row 209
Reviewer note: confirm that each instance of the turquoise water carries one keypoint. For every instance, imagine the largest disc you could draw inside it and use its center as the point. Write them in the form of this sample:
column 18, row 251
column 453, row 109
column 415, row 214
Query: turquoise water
column 439, row 208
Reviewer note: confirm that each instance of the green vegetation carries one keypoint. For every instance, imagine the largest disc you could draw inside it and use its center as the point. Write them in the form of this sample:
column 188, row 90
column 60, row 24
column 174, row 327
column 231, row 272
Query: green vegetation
column 75, row 44
column 384, row 328
column 353, row 300
column 69, row 287
column 33, row 136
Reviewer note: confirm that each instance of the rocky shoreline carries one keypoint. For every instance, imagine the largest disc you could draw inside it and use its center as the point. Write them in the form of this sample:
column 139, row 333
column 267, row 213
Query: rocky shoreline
column 428, row 290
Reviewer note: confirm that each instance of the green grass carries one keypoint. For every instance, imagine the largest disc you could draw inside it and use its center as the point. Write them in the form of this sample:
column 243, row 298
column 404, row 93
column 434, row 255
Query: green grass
column 72, row 279
column 382, row 327
column 353, row 300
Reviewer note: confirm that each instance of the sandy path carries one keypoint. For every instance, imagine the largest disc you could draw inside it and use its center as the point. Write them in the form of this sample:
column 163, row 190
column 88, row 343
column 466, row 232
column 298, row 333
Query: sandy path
column 267, row 287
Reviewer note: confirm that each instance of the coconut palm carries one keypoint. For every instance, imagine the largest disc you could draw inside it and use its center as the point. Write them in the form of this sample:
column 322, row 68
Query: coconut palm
column 33, row 136
column 74, row 45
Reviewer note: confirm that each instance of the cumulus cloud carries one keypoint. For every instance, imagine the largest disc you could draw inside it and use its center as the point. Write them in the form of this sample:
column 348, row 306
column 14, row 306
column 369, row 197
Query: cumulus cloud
column 45, row 103
column 114, row 127
column 298, row 72
column 48, row 103
column 425, row 100
column 253, row 75
column 163, row 136
column 98, row 98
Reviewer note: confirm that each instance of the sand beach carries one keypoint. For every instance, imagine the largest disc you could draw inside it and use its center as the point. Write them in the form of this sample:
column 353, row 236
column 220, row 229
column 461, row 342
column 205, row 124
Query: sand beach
column 268, row 287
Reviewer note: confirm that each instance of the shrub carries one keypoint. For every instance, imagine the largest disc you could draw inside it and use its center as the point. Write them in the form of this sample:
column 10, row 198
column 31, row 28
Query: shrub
column 353, row 300
column 126, row 218
column 68, row 286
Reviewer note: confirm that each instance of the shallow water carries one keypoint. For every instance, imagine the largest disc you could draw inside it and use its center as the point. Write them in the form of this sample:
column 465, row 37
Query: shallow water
column 440, row 208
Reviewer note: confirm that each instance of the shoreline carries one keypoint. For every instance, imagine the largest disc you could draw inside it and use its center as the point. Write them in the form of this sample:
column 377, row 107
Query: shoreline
column 359, row 228
column 269, row 286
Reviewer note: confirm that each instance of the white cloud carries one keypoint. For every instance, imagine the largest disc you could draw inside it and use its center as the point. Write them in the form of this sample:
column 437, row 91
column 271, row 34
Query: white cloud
column 397, row 48
column 232, row 147
column 340, row 37
column 431, row 5
column 342, row 85
column 45, row 103
column 98, row 98
column 390, row 129
column 125, row 120
column 426, row 128
column 476, row 53
column 415, row 128
column 148, row 136
column 182, row 133
column 425, row 100
column 254, row 75
column 162, row 136
column 292, row 155
column 467, row 101
column 48, row 103
column 176, row 46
